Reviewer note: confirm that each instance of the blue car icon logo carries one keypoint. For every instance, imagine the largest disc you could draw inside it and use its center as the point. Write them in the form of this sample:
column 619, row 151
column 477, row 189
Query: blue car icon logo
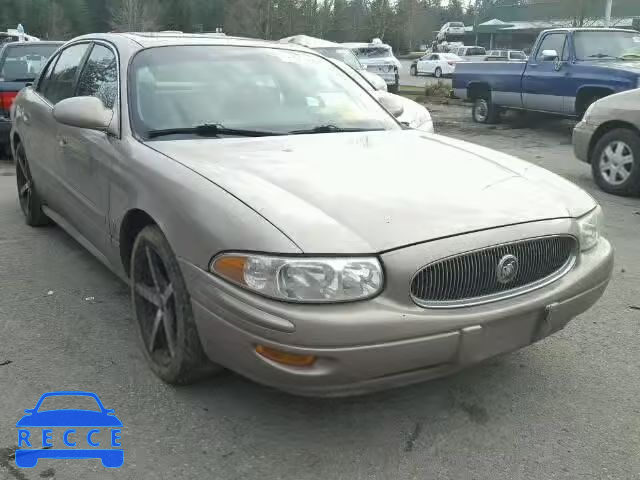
column 98, row 422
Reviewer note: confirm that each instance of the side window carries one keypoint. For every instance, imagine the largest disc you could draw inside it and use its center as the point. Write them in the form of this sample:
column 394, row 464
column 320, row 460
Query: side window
column 553, row 41
column 43, row 79
column 61, row 83
column 433, row 57
column 99, row 76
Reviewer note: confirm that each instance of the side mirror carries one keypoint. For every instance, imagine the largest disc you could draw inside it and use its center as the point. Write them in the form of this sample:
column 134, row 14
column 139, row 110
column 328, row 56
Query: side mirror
column 549, row 55
column 376, row 81
column 83, row 112
column 392, row 103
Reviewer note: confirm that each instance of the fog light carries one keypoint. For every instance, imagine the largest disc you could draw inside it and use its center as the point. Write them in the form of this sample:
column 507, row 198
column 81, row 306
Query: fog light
column 286, row 358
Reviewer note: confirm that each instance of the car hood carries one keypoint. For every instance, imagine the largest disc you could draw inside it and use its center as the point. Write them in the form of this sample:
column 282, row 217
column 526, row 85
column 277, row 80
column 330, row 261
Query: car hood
column 627, row 65
column 376, row 191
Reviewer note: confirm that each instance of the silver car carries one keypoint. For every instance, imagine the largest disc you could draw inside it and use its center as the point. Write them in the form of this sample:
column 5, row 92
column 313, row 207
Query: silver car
column 263, row 227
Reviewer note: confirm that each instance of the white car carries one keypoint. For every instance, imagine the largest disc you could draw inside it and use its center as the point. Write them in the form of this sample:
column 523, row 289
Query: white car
column 450, row 30
column 471, row 53
column 507, row 55
column 379, row 59
column 436, row 64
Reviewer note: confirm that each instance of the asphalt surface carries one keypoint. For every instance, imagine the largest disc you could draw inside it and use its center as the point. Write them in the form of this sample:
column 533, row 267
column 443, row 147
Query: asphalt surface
column 565, row 408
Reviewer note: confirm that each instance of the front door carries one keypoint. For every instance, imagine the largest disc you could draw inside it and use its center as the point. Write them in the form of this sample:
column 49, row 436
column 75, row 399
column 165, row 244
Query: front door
column 427, row 64
column 543, row 77
column 85, row 155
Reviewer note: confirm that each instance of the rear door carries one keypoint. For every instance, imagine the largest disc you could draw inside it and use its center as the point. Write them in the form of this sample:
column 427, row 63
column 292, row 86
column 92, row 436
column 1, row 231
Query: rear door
column 542, row 80
column 86, row 156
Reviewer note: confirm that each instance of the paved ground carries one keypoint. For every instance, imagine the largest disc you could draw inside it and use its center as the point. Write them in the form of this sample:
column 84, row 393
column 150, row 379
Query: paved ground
column 566, row 408
column 407, row 80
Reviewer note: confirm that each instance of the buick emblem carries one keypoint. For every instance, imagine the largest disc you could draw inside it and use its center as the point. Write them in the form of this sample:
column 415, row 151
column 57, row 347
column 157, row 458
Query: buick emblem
column 507, row 269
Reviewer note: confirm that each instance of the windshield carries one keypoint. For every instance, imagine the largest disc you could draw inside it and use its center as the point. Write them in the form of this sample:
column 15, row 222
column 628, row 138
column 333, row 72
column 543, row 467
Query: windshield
column 476, row 51
column 343, row 54
column 248, row 88
column 24, row 61
column 607, row 44
column 373, row 52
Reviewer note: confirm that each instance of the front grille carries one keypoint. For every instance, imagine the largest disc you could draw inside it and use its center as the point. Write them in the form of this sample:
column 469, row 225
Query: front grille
column 491, row 273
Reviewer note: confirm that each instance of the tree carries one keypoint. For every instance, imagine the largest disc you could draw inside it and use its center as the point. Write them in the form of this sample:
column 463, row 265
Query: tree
column 135, row 15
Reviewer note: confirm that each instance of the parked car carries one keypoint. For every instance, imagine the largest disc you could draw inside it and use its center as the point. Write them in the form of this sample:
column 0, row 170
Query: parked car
column 471, row 53
column 413, row 114
column 608, row 138
column 450, row 30
column 379, row 59
column 436, row 64
column 507, row 55
column 291, row 230
column 569, row 69
column 20, row 64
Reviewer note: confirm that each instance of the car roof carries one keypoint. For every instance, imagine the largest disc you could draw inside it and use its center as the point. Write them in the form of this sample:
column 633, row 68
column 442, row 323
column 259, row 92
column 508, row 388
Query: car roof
column 31, row 44
column 592, row 29
column 157, row 39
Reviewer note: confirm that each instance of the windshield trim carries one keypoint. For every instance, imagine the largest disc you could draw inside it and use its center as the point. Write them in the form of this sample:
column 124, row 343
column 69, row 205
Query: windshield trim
column 140, row 137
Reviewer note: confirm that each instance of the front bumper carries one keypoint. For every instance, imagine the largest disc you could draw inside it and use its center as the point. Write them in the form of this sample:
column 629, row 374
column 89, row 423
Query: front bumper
column 582, row 135
column 378, row 344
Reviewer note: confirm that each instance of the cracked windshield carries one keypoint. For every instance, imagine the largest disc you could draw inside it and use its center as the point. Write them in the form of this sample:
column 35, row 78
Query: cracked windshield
column 319, row 239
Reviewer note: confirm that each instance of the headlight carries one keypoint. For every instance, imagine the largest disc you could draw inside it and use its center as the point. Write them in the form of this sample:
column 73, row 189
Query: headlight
column 589, row 226
column 301, row 279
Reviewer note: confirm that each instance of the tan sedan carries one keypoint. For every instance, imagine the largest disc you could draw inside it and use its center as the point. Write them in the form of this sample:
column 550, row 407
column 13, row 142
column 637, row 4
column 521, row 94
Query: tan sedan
column 608, row 138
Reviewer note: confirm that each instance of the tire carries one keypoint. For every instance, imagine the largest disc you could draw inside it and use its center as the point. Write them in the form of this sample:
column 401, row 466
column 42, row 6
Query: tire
column 162, row 312
column 413, row 71
column 28, row 197
column 484, row 111
column 394, row 88
column 615, row 162
column 438, row 72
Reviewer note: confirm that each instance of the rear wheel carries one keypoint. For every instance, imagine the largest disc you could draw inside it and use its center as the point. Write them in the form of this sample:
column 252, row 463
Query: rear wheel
column 484, row 111
column 28, row 197
column 162, row 310
column 615, row 162
column 438, row 72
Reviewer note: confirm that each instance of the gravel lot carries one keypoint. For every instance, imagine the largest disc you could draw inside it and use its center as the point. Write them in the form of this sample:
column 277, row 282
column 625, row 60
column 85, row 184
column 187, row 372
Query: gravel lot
column 565, row 408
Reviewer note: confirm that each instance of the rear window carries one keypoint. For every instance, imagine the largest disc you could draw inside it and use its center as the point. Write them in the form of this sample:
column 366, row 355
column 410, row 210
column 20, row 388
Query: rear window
column 456, row 24
column 372, row 52
column 24, row 62
column 476, row 51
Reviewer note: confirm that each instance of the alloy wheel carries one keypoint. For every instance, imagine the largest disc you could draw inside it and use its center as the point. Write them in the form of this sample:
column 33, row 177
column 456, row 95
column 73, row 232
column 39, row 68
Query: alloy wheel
column 616, row 162
column 24, row 181
column 154, row 301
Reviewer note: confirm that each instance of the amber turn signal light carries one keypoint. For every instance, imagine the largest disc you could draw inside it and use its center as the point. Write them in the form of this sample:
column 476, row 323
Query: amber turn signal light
column 285, row 358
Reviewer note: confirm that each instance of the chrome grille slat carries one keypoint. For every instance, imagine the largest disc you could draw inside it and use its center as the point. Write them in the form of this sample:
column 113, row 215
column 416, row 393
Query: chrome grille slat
column 470, row 278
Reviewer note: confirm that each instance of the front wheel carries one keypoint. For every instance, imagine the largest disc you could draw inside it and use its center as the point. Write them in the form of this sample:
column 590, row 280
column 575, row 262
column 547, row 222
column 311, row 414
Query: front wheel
column 413, row 71
column 615, row 162
column 438, row 72
column 162, row 311
column 484, row 111
column 28, row 197
column 393, row 88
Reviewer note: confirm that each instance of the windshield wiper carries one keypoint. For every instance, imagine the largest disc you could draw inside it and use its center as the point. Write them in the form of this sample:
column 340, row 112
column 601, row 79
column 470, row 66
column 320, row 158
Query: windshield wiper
column 331, row 129
column 210, row 130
